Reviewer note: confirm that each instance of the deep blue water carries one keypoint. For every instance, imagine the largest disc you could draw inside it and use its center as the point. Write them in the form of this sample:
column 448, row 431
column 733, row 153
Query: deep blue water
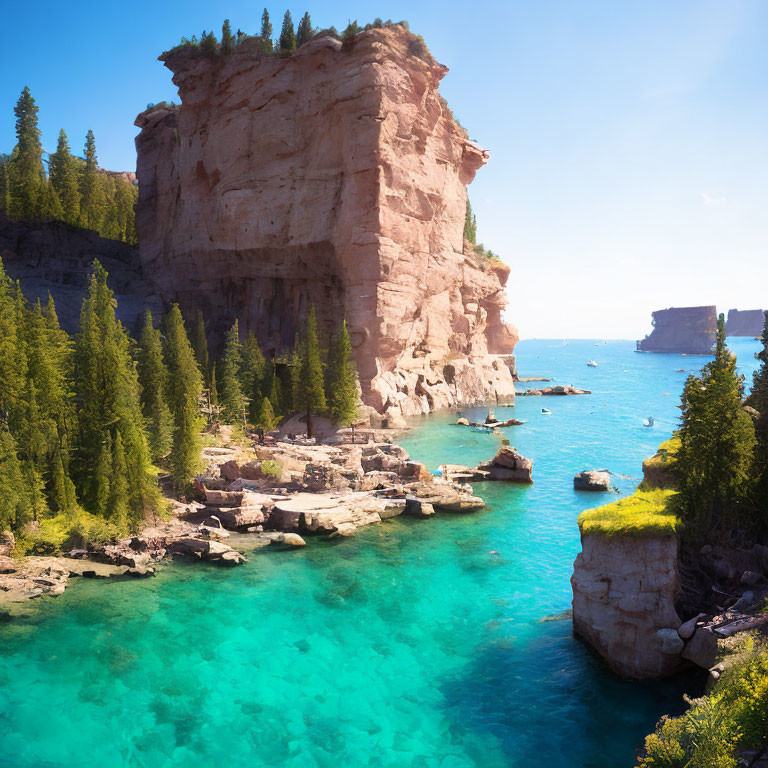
column 416, row 643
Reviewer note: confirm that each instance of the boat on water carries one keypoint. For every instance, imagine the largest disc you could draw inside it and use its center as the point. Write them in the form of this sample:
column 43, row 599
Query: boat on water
column 649, row 422
column 546, row 411
column 592, row 364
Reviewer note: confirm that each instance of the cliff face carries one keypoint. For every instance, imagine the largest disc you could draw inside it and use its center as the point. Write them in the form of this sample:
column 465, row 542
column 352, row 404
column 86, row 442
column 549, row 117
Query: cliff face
column 689, row 330
column 745, row 322
column 336, row 176
column 624, row 590
column 53, row 256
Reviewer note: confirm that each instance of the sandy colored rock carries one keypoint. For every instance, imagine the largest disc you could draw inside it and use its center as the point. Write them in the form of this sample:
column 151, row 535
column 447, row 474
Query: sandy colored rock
column 336, row 176
column 624, row 590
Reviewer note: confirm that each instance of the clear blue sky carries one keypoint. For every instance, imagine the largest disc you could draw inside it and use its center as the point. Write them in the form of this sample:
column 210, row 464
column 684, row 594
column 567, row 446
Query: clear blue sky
column 628, row 138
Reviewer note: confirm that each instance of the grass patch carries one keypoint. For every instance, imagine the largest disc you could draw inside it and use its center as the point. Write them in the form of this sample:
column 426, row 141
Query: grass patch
column 644, row 512
column 665, row 455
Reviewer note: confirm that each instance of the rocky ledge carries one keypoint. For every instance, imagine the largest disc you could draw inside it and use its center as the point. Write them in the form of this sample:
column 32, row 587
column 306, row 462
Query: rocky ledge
column 558, row 389
column 270, row 495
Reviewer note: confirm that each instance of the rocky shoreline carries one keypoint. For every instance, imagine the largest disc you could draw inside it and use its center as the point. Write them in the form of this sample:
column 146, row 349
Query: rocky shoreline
column 250, row 497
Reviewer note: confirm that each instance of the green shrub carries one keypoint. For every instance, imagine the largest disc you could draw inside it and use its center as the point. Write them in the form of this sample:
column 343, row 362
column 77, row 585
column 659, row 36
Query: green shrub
column 734, row 716
column 272, row 468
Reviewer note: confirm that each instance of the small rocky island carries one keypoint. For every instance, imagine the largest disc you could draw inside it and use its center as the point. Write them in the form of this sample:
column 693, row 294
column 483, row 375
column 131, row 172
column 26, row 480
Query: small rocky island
column 682, row 330
column 745, row 322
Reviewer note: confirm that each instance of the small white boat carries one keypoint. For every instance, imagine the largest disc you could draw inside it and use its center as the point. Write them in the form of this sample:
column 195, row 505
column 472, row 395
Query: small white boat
column 546, row 411
column 649, row 422
column 592, row 364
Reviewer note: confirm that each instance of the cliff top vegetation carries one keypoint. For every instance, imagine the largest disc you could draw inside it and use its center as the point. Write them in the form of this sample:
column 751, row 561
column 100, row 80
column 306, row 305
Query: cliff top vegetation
column 287, row 42
column 645, row 512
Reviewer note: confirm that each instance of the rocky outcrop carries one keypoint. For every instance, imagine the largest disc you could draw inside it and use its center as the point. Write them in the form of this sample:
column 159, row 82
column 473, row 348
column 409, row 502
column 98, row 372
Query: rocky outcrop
column 592, row 480
column 745, row 322
column 335, row 176
column 688, row 330
column 56, row 257
column 624, row 591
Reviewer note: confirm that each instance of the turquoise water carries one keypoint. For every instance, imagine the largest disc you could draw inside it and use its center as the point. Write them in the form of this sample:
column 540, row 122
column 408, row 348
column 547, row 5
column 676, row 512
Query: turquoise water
column 416, row 643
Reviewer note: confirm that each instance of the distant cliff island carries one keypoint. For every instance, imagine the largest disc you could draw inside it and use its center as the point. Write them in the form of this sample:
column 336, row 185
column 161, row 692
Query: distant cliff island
column 744, row 322
column 688, row 330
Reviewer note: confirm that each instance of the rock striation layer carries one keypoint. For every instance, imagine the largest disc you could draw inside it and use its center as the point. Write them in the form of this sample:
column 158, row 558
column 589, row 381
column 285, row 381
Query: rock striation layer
column 55, row 257
column 688, row 330
column 624, row 591
column 335, row 176
column 745, row 322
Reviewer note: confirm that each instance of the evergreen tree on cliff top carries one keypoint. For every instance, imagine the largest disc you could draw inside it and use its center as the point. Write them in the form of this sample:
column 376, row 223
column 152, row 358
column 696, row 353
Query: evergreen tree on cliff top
column 287, row 35
column 307, row 372
column 92, row 201
column 230, row 392
column 26, row 175
column 153, row 379
column 227, row 38
column 341, row 386
column 304, row 30
column 266, row 26
column 717, row 441
column 63, row 178
column 108, row 398
column 758, row 399
column 185, row 388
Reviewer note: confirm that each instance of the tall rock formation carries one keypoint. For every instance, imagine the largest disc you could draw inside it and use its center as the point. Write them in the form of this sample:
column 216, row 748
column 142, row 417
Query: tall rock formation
column 689, row 330
column 745, row 322
column 335, row 176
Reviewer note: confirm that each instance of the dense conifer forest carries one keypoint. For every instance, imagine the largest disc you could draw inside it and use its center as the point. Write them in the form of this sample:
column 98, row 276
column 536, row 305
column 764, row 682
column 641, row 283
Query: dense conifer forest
column 72, row 188
column 90, row 422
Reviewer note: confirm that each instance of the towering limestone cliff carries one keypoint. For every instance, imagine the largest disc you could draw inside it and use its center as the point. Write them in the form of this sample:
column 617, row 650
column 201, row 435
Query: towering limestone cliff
column 745, row 322
column 689, row 330
column 335, row 176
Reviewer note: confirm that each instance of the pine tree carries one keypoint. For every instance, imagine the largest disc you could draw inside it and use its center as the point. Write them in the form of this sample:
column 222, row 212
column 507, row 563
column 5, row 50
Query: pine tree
column 227, row 38
column 63, row 179
column 153, row 379
column 717, row 437
column 304, row 32
column 470, row 224
column 50, row 207
column 92, row 201
column 265, row 419
column 26, row 169
column 308, row 392
column 118, row 487
column 208, row 44
column 13, row 361
column 277, row 397
column 214, row 390
column 200, row 345
column 287, row 35
column 758, row 399
column 266, row 26
column 230, row 392
column 5, row 186
column 107, row 389
column 15, row 506
column 341, row 389
column 184, row 397
column 253, row 373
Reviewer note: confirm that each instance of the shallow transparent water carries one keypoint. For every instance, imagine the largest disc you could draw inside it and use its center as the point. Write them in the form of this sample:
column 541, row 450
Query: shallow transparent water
column 417, row 643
